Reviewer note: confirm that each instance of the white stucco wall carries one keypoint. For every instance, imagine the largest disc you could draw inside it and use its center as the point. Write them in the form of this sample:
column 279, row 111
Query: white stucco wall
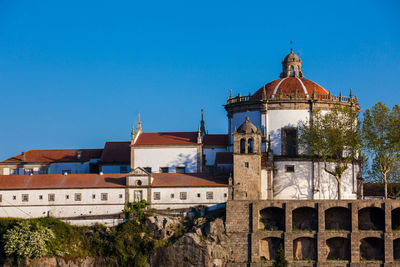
column 299, row 184
column 210, row 154
column 264, row 184
column 61, row 206
column 166, row 157
column 278, row 119
column 220, row 195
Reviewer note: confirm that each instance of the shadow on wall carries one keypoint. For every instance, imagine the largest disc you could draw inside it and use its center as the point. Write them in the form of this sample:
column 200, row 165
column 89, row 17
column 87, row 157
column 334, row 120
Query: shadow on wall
column 189, row 161
column 305, row 248
column 338, row 248
column 269, row 247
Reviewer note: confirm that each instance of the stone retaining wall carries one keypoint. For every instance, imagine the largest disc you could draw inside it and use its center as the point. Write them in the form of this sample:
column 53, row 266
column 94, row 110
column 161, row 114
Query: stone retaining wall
column 315, row 232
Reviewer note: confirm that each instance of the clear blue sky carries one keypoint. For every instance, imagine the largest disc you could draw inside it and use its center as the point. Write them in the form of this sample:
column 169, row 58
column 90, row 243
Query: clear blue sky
column 74, row 74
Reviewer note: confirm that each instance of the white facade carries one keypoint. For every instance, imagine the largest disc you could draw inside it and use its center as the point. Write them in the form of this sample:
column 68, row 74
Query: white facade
column 302, row 184
column 186, row 197
column 63, row 203
column 171, row 157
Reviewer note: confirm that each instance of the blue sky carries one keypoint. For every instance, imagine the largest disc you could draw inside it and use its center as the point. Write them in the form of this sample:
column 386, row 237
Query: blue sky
column 74, row 74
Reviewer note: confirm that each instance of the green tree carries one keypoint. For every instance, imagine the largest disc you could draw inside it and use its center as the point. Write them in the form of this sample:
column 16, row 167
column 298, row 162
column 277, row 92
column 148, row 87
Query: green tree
column 26, row 240
column 280, row 260
column 136, row 210
column 334, row 138
column 381, row 140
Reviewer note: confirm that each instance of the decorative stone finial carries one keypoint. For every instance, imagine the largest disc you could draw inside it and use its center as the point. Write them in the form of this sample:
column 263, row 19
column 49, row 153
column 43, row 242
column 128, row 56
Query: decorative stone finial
column 230, row 96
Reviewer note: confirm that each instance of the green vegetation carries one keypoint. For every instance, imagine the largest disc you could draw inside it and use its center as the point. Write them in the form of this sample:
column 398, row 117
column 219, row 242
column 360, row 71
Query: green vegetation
column 128, row 244
column 333, row 137
column 280, row 260
column 381, row 141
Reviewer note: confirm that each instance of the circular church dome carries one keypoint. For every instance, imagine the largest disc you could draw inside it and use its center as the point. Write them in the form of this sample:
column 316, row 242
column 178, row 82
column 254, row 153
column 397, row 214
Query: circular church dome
column 290, row 87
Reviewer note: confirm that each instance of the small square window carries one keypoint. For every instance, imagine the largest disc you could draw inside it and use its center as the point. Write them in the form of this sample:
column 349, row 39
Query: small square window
column 14, row 197
column 164, row 169
column 104, row 196
column 66, row 196
column 198, row 194
column 156, row 196
column 209, row 195
column 78, row 197
column 289, row 168
column 14, row 171
column 225, row 195
column 52, row 197
column 93, row 196
column 172, row 195
column 180, row 169
column 120, row 195
column 246, row 164
column 40, row 197
column 25, row 197
column 183, row 195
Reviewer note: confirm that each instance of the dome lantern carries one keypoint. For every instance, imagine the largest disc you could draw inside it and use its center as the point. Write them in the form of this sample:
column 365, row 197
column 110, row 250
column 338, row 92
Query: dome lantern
column 291, row 65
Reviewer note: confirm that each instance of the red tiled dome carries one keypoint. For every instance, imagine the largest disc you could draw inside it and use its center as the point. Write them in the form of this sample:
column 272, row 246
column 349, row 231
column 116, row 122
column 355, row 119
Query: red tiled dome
column 288, row 87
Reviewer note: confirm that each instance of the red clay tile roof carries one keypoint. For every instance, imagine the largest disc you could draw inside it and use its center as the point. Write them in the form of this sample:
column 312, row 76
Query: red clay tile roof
column 172, row 138
column 289, row 86
column 116, row 152
column 223, row 158
column 56, row 155
column 215, row 140
column 187, row 180
column 59, row 181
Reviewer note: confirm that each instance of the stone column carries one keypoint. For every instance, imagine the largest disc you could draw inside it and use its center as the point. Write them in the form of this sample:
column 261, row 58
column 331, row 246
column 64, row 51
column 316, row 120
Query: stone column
column 288, row 217
column 288, row 243
column 388, row 247
column 354, row 236
column 388, row 216
column 321, row 217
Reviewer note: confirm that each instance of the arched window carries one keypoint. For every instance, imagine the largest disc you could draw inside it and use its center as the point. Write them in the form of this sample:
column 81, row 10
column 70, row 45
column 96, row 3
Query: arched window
column 242, row 146
column 250, row 147
column 291, row 71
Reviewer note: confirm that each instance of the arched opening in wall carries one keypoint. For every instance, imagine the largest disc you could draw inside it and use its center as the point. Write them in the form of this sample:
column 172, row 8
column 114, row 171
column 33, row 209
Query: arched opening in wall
column 396, row 249
column 396, row 219
column 337, row 218
column 338, row 248
column 291, row 71
column 305, row 218
column 269, row 247
column 272, row 219
column 371, row 248
column 250, row 145
column 305, row 248
column 371, row 218
column 242, row 146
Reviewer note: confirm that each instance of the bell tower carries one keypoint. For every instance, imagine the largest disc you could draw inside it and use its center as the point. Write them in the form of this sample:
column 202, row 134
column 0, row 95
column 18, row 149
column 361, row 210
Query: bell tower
column 291, row 65
column 246, row 162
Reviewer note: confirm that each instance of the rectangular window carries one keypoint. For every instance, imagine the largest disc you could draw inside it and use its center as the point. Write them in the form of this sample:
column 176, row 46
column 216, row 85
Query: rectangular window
column 156, row 196
column 209, row 195
column 147, row 169
column 14, row 197
column 66, row 172
column 172, row 195
column 52, row 197
column 289, row 141
column 183, row 195
column 1, row 198
column 198, row 195
column 14, row 171
column 289, row 168
column 138, row 195
column 25, row 197
column 225, row 195
column 43, row 171
column 66, row 196
column 123, row 169
column 93, row 196
column 40, row 197
column 246, row 164
column 180, row 169
column 28, row 171
column 120, row 195
column 104, row 196
column 78, row 197
column 164, row 169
